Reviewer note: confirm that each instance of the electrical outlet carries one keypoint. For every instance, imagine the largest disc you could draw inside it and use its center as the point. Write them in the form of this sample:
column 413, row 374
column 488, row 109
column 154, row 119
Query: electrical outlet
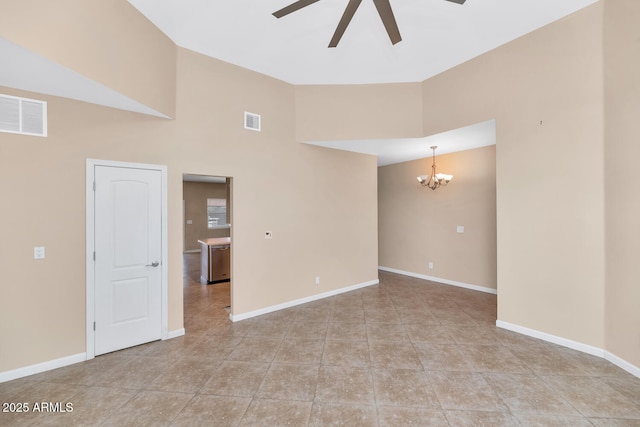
column 460, row 229
column 38, row 252
column 430, row 266
column 317, row 280
column 268, row 235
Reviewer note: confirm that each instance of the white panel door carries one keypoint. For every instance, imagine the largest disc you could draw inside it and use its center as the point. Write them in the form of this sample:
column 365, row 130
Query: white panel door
column 128, row 240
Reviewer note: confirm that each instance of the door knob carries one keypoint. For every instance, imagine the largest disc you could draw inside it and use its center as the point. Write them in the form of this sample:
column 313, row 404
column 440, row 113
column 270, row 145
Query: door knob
column 153, row 264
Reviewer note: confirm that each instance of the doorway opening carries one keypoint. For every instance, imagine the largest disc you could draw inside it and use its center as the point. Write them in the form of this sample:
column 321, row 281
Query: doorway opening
column 207, row 249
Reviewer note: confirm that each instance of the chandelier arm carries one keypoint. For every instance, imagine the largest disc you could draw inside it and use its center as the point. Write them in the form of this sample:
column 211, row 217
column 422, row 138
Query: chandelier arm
column 434, row 181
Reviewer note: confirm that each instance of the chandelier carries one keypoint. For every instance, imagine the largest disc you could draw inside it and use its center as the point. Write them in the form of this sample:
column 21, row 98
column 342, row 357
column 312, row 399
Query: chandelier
column 435, row 180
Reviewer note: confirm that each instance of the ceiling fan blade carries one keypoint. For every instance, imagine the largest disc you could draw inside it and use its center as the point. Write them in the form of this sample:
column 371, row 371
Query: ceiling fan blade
column 388, row 19
column 457, row 1
column 344, row 21
column 293, row 7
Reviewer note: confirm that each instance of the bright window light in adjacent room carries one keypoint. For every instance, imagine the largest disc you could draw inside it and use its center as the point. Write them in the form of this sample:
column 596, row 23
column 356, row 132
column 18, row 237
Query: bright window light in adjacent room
column 216, row 213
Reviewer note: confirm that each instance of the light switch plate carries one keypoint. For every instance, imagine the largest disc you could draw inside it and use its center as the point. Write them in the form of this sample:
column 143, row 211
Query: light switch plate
column 460, row 229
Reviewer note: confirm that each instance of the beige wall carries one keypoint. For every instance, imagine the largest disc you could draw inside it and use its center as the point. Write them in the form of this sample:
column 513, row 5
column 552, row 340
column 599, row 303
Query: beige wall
column 42, row 303
column 622, row 183
column 195, row 196
column 358, row 112
column 107, row 41
column 417, row 225
column 279, row 185
column 320, row 204
column 545, row 91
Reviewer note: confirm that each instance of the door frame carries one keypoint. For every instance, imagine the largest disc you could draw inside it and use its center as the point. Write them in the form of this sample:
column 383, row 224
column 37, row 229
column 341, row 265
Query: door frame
column 90, row 245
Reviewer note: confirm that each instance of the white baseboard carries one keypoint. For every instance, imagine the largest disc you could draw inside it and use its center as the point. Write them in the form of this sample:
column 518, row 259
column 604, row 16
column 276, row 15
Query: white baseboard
column 575, row 345
column 289, row 304
column 42, row 367
column 60, row 363
column 584, row 348
column 439, row 280
column 622, row 364
column 175, row 334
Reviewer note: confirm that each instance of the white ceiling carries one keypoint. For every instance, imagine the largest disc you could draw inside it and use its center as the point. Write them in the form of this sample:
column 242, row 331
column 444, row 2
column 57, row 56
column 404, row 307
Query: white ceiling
column 390, row 151
column 437, row 35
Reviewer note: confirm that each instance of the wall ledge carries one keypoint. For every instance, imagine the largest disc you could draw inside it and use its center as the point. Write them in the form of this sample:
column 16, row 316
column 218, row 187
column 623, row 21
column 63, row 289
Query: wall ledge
column 574, row 345
column 289, row 304
column 440, row 280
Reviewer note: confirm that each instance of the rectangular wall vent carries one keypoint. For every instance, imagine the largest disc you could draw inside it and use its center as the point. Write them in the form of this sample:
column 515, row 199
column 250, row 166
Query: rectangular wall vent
column 252, row 121
column 23, row 116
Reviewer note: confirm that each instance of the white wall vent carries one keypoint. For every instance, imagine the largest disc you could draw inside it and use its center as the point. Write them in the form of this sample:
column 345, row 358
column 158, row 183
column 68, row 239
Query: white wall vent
column 252, row 121
column 23, row 116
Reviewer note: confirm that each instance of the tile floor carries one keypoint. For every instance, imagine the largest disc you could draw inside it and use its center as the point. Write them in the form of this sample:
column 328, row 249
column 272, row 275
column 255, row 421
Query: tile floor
column 403, row 353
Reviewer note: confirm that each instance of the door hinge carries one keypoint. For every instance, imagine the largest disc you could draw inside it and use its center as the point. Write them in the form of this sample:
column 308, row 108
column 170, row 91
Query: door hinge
column 94, row 255
column 94, row 186
column 94, row 326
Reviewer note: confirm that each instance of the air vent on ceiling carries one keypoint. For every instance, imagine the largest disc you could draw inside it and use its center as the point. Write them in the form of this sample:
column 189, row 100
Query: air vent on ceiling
column 252, row 121
column 23, row 116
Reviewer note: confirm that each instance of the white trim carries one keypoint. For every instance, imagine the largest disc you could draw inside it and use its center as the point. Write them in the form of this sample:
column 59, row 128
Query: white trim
column 289, row 304
column 443, row 281
column 192, row 251
column 575, row 345
column 175, row 334
column 41, row 367
column 90, row 245
column 89, row 265
column 584, row 348
column 622, row 364
column 62, row 362
column 165, row 250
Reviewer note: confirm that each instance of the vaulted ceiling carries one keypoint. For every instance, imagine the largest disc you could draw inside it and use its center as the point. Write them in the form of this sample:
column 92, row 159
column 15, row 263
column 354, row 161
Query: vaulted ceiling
column 436, row 35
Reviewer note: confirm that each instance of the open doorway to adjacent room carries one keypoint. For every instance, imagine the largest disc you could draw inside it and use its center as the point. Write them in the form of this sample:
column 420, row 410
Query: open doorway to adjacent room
column 207, row 230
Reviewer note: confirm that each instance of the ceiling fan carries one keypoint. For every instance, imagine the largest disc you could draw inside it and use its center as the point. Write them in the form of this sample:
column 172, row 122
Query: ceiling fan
column 383, row 7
